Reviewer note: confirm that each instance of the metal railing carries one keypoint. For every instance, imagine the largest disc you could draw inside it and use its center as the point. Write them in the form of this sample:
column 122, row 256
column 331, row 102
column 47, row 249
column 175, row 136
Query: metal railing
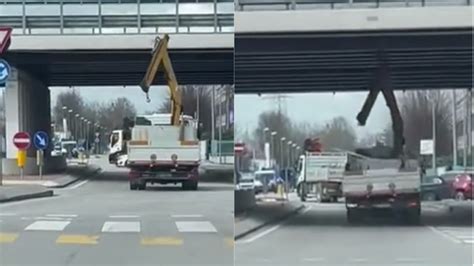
column 247, row 5
column 107, row 16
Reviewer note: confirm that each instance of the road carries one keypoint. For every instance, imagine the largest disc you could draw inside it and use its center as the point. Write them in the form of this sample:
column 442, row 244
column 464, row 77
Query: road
column 320, row 235
column 101, row 222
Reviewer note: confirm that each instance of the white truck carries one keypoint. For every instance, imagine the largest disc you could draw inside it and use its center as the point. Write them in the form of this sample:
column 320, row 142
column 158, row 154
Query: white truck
column 159, row 152
column 387, row 190
column 117, row 147
column 320, row 174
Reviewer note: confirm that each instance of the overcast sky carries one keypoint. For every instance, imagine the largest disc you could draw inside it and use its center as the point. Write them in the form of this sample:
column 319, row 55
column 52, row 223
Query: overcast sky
column 313, row 108
column 106, row 94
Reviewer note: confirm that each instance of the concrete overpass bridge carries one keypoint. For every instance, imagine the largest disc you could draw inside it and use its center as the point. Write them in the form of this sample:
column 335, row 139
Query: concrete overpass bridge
column 105, row 42
column 353, row 49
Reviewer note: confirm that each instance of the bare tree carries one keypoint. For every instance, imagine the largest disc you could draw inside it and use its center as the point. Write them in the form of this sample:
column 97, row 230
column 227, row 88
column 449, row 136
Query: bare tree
column 417, row 115
column 339, row 134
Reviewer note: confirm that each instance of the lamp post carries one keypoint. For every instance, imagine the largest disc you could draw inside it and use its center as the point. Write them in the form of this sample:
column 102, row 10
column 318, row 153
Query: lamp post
column 266, row 147
column 272, row 147
column 76, row 127
column 69, row 114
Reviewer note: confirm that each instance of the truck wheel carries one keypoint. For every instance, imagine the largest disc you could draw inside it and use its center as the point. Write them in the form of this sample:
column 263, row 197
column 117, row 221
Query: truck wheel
column 133, row 186
column 142, row 186
column 353, row 217
column 412, row 217
column 334, row 199
column 303, row 192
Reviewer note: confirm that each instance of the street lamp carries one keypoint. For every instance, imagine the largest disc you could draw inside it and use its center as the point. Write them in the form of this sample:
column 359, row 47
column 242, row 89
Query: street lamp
column 76, row 127
column 272, row 145
column 282, row 141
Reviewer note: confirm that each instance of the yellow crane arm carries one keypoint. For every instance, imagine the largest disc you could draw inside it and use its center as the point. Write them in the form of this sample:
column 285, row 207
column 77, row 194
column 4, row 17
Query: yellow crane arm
column 160, row 61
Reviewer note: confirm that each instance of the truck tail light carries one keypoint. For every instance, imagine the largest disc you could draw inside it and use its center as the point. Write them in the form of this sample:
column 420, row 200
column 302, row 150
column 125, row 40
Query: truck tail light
column 413, row 204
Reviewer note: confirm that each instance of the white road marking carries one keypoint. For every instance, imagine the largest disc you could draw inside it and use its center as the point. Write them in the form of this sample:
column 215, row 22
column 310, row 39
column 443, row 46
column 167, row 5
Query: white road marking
column 313, row 259
column 121, row 227
column 7, row 214
column 445, row 235
column 47, row 225
column 62, row 215
column 187, row 216
column 52, row 218
column 408, row 260
column 77, row 185
column 123, row 216
column 195, row 227
column 268, row 231
column 358, row 260
column 262, row 234
column 470, row 241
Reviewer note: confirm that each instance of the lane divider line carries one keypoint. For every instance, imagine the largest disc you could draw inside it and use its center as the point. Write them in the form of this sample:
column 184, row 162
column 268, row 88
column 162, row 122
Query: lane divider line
column 77, row 239
column 161, row 241
column 444, row 234
column 8, row 237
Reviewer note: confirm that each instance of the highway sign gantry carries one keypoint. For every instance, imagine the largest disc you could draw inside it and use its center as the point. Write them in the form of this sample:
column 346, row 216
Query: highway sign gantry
column 22, row 140
column 41, row 140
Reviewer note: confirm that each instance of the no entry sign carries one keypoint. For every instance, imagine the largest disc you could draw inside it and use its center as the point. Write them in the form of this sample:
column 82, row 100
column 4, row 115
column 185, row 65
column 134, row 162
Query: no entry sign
column 22, row 140
column 239, row 148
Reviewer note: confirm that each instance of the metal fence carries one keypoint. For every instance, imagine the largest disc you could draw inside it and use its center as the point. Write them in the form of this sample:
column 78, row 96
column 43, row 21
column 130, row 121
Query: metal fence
column 247, row 5
column 116, row 16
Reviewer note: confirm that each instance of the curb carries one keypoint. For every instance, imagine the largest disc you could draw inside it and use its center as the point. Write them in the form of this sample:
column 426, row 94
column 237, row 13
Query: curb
column 47, row 193
column 95, row 172
column 274, row 221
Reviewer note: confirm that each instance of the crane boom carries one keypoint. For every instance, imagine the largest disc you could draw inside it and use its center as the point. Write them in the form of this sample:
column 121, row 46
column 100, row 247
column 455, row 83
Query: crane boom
column 160, row 61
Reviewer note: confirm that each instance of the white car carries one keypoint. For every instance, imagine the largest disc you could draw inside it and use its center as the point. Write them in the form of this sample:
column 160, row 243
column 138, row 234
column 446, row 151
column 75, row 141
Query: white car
column 122, row 161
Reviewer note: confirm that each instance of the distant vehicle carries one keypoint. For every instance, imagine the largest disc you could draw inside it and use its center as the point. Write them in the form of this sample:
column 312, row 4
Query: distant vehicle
column 267, row 178
column 122, row 160
column 247, row 181
column 434, row 188
column 117, row 146
column 320, row 174
column 462, row 187
column 258, row 186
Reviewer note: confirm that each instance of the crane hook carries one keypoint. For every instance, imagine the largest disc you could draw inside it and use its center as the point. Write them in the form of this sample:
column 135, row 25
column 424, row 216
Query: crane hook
column 148, row 100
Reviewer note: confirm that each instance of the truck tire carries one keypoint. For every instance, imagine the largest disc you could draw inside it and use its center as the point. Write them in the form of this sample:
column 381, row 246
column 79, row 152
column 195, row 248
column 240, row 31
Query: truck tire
column 142, row 186
column 353, row 216
column 334, row 199
column 190, row 185
column 303, row 192
column 412, row 216
column 133, row 186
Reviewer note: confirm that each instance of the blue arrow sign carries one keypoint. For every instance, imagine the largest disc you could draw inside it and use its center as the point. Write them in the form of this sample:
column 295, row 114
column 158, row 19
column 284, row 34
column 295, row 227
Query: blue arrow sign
column 4, row 71
column 41, row 140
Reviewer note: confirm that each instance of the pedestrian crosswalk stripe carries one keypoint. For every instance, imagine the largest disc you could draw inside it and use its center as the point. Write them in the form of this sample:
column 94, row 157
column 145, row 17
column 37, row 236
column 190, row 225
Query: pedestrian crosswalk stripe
column 121, row 227
column 195, row 227
column 161, row 241
column 47, row 225
column 8, row 237
column 77, row 239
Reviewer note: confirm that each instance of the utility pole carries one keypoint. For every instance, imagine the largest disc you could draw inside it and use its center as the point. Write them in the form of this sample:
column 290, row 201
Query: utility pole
column 455, row 139
column 220, row 130
column 433, row 107
column 465, row 129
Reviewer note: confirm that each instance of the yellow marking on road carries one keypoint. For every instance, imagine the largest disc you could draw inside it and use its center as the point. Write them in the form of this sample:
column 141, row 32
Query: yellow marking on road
column 77, row 239
column 8, row 237
column 230, row 242
column 162, row 241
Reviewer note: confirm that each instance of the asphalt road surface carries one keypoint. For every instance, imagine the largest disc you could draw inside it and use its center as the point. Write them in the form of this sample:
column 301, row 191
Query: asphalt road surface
column 102, row 222
column 320, row 235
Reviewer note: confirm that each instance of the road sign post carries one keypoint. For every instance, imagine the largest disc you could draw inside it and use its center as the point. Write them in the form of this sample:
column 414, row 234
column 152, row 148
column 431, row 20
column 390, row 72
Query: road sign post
column 39, row 162
column 22, row 142
column 41, row 141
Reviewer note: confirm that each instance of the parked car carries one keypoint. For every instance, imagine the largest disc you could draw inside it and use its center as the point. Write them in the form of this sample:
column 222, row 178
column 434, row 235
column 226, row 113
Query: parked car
column 462, row 187
column 246, row 181
column 434, row 188
column 267, row 178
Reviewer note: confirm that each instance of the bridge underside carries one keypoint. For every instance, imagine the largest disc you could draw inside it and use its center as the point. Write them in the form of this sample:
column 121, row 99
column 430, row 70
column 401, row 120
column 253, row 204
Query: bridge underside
column 120, row 67
column 353, row 61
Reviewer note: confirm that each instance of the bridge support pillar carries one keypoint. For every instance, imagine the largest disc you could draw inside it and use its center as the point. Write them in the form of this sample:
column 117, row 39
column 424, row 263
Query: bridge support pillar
column 27, row 108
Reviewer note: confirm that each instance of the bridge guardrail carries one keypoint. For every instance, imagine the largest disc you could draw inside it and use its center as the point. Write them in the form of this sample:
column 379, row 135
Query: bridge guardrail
column 340, row 4
column 95, row 17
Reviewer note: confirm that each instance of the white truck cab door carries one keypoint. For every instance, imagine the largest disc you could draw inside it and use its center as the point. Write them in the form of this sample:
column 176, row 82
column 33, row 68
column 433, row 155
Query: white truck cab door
column 300, row 171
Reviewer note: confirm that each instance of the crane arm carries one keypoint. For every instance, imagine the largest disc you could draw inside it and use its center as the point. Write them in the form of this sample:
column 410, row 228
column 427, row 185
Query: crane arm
column 161, row 61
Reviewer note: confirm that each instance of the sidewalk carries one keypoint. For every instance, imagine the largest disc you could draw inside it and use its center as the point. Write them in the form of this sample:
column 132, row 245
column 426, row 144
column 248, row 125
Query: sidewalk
column 264, row 214
column 22, row 192
column 71, row 175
